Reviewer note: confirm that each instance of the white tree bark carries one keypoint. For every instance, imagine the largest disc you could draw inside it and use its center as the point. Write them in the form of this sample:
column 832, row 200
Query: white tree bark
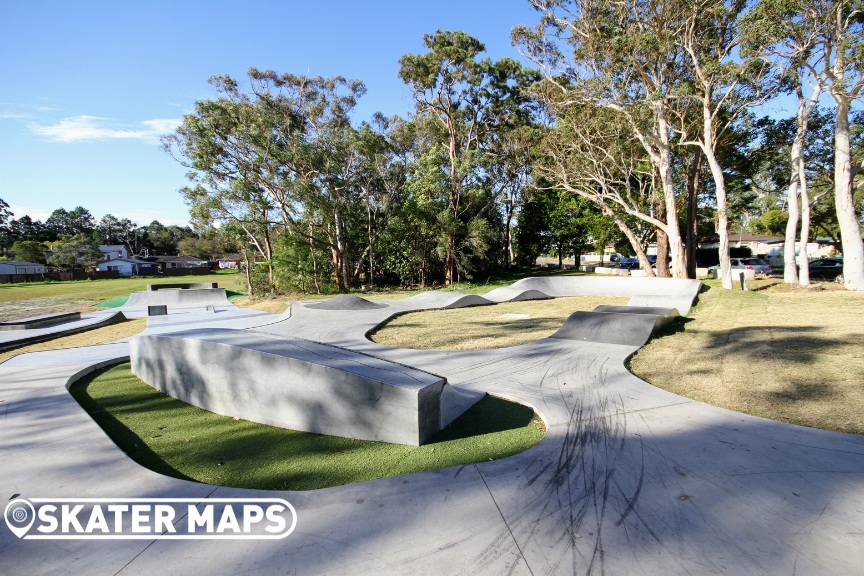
column 850, row 231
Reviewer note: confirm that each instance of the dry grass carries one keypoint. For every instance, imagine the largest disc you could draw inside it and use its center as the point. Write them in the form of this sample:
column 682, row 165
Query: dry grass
column 484, row 327
column 785, row 353
column 102, row 335
column 271, row 305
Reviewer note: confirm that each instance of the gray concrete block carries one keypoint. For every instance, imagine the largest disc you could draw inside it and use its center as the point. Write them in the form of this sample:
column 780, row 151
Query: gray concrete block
column 296, row 384
column 158, row 310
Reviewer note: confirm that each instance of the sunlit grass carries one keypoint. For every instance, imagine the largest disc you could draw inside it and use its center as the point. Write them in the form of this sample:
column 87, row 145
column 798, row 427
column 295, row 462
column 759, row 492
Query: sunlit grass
column 176, row 439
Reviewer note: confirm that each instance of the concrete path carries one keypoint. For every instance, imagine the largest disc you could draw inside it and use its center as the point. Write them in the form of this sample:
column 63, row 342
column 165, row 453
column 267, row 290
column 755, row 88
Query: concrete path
column 629, row 479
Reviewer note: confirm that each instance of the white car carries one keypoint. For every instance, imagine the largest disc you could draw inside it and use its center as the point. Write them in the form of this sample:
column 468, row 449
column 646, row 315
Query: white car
column 758, row 265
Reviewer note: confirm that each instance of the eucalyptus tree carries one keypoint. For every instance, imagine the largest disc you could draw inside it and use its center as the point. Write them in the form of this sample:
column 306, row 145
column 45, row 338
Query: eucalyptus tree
column 722, row 85
column 278, row 157
column 591, row 152
column 471, row 101
column 779, row 32
column 819, row 41
column 625, row 57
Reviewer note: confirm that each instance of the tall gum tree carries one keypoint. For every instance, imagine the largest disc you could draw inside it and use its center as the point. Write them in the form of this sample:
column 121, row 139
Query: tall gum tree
column 722, row 85
column 472, row 99
column 623, row 56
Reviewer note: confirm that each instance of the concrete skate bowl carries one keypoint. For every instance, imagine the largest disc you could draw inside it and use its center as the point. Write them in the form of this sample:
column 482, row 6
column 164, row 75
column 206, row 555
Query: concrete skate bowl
column 299, row 384
column 443, row 299
column 346, row 302
column 654, row 292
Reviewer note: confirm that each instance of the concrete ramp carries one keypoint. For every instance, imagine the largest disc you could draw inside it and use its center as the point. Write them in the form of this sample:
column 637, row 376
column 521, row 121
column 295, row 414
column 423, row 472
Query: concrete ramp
column 610, row 328
column 298, row 384
column 442, row 299
column 195, row 298
column 511, row 294
column 657, row 292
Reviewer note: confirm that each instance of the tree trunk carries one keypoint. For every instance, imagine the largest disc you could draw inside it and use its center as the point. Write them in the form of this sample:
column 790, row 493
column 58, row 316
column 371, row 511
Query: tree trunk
column 673, row 230
column 449, row 264
column 662, row 263
column 850, row 231
column 790, row 271
column 692, row 212
column 631, row 237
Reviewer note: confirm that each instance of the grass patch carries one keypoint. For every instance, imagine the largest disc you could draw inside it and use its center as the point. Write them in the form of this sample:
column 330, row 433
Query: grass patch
column 110, row 333
column 484, row 327
column 786, row 353
column 179, row 440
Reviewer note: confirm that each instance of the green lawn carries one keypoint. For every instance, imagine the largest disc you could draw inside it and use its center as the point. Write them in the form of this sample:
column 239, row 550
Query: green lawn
column 176, row 439
column 101, row 290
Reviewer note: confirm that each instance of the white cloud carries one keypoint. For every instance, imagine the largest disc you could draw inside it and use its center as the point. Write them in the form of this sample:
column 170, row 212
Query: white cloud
column 83, row 128
column 14, row 115
column 34, row 213
column 144, row 217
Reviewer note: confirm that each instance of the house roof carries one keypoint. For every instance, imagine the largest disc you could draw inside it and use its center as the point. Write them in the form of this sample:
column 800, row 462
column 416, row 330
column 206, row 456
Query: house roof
column 176, row 259
column 21, row 263
column 130, row 260
column 111, row 247
column 749, row 237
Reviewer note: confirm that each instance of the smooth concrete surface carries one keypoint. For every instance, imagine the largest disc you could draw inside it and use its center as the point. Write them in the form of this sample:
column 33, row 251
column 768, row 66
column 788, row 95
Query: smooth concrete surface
column 298, row 384
column 12, row 339
column 629, row 479
column 610, row 327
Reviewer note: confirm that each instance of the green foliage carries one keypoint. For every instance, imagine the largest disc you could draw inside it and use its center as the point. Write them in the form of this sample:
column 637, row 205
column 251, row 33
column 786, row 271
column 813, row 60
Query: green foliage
column 29, row 251
column 75, row 252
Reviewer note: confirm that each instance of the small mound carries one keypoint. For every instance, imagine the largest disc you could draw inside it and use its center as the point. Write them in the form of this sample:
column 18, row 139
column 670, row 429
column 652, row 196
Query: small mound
column 346, row 302
column 510, row 294
column 442, row 299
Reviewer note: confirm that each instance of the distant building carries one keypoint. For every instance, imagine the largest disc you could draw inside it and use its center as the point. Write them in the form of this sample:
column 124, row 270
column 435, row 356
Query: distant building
column 230, row 261
column 164, row 262
column 128, row 267
column 17, row 267
column 112, row 251
column 759, row 244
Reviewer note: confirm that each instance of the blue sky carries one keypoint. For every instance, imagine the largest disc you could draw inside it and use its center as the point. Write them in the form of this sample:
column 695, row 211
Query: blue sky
column 86, row 87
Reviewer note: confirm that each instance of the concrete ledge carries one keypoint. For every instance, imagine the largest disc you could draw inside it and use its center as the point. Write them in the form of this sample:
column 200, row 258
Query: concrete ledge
column 183, row 286
column 40, row 321
column 298, row 384
column 16, row 339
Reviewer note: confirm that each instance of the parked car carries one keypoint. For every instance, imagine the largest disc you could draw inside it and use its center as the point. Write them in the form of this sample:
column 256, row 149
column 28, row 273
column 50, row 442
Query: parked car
column 758, row 265
column 652, row 258
column 826, row 268
column 629, row 263
column 615, row 258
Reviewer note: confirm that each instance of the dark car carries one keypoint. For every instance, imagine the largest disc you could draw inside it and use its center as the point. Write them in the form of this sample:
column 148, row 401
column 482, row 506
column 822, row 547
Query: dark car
column 652, row 258
column 629, row 263
column 615, row 258
column 827, row 268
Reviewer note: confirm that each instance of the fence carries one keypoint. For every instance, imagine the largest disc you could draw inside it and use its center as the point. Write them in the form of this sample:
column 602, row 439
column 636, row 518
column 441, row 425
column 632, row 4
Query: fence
column 185, row 271
column 64, row 276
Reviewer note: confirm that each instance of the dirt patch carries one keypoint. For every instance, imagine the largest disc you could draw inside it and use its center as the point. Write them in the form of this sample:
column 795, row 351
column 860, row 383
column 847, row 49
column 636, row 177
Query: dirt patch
column 19, row 309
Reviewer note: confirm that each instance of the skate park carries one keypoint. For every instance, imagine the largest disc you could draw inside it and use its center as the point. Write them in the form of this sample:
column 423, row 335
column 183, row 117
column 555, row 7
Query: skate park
column 629, row 478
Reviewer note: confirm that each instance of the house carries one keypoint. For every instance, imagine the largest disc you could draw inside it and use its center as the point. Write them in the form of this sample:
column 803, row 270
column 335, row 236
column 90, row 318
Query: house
column 111, row 251
column 166, row 262
column 17, row 267
column 128, row 267
column 816, row 248
column 759, row 244
column 230, row 261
